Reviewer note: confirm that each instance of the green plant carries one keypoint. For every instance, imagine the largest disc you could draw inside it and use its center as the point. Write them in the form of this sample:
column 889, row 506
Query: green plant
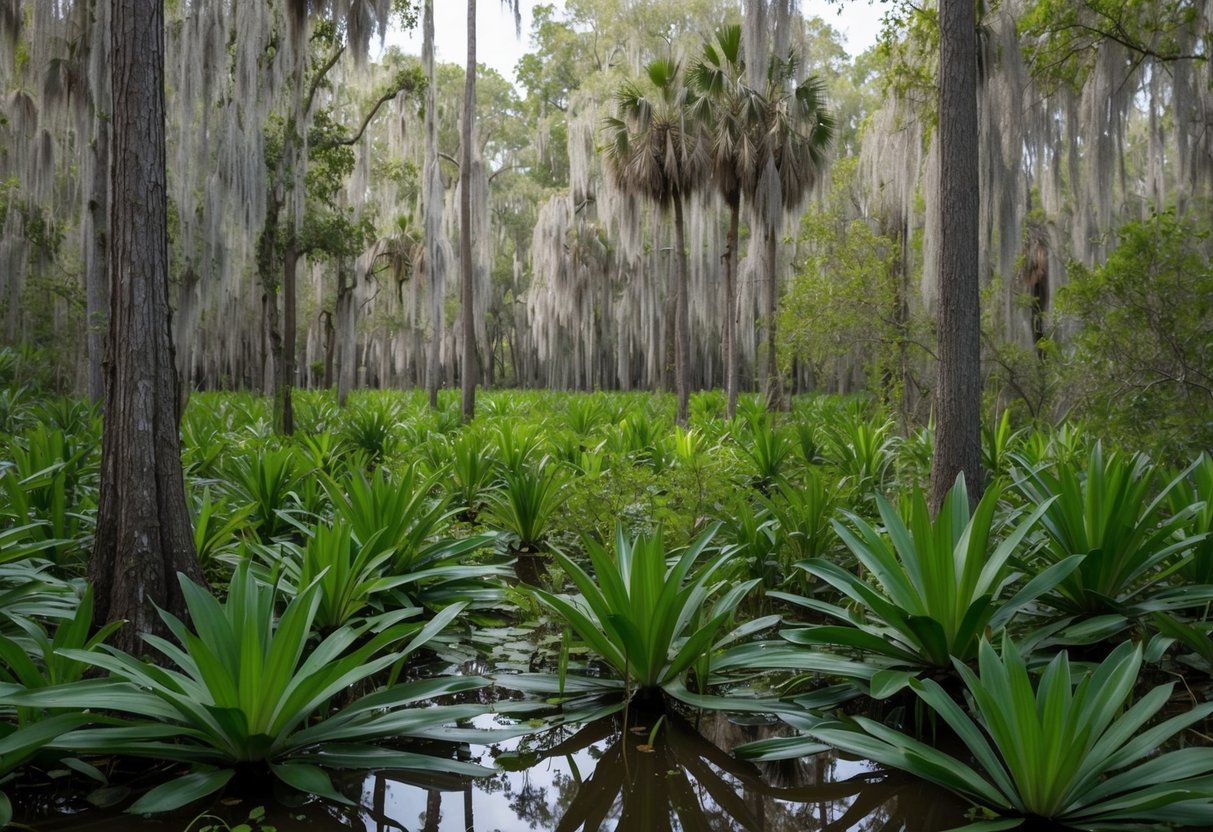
column 526, row 501
column 472, row 468
column 648, row 618
column 1192, row 487
column 1113, row 517
column 395, row 515
column 935, row 588
column 373, row 428
column 36, row 658
column 349, row 573
column 1069, row 750
column 245, row 686
column 216, row 529
column 862, row 450
column 768, row 449
column 998, row 442
column 264, row 481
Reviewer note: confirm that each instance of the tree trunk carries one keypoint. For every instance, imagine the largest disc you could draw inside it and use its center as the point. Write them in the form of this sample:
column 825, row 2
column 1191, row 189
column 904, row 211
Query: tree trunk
column 682, row 333
column 143, row 526
column 467, row 311
column 346, row 323
column 730, row 305
column 774, row 384
column 433, row 207
column 96, row 279
column 284, row 411
column 958, row 389
column 330, row 341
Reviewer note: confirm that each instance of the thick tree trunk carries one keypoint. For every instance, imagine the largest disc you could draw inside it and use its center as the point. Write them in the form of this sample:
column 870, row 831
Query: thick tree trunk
column 143, row 526
column 467, row 285
column 958, row 390
column 682, row 333
column 730, row 306
column 774, row 382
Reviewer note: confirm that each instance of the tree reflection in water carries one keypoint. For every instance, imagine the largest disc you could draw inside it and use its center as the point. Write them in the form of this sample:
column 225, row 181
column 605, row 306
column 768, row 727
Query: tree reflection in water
column 602, row 777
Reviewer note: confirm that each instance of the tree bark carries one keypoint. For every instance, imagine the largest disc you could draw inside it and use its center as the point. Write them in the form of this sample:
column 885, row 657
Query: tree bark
column 774, row 383
column 96, row 279
column 467, row 286
column 730, row 305
column 958, row 389
column 143, row 533
column 284, row 409
column 433, row 206
column 682, row 333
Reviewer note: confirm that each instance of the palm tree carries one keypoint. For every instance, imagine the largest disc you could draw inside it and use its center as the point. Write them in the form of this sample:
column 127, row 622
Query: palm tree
column 729, row 109
column 655, row 148
column 794, row 131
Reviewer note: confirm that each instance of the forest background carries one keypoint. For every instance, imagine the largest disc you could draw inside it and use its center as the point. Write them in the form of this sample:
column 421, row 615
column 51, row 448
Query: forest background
column 1095, row 171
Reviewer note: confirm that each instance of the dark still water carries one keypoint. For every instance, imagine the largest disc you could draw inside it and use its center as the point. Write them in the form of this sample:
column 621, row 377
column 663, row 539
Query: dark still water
column 652, row 777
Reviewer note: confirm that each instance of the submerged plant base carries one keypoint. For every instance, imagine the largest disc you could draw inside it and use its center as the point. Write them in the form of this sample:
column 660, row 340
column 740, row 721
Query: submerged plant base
column 532, row 567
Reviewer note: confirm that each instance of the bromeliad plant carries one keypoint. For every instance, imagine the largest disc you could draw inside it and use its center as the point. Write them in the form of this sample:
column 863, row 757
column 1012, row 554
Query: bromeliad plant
column 933, row 587
column 245, row 686
column 1131, row 543
column 1070, row 749
column 651, row 618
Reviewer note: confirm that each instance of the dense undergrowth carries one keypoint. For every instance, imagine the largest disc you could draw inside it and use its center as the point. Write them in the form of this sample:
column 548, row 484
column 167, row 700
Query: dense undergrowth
column 780, row 563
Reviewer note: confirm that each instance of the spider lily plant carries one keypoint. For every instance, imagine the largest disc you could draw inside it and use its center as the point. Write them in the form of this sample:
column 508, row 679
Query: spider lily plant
column 1132, row 545
column 933, row 587
column 651, row 618
column 1070, row 749
column 526, row 501
column 246, row 686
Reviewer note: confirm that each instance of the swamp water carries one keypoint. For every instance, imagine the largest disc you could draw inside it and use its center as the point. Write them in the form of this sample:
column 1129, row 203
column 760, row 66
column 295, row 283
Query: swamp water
column 652, row 776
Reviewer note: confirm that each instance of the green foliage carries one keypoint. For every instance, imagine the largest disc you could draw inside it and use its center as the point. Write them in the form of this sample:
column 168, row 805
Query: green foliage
column 266, row 483
column 1068, row 749
column 245, row 686
column 1110, row 514
column 1063, row 38
column 935, row 587
column 650, row 618
column 525, row 503
column 1144, row 319
column 847, row 301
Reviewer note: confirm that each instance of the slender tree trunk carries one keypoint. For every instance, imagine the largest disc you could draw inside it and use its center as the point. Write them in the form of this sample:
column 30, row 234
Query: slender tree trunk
column 958, row 390
column 434, row 267
column 682, row 333
column 346, row 323
column 96, row 278
column 143, row 533
column 774, row 384
column 330, row 341
column 284, row 410
column 730, row 306
column 467, row 282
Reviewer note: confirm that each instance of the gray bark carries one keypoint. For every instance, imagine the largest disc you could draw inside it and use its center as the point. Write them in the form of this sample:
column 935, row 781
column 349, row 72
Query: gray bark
column 958, row 389
column 143, row 533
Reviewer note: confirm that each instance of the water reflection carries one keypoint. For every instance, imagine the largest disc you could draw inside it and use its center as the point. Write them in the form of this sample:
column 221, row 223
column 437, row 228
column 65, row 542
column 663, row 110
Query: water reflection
column 605, row 777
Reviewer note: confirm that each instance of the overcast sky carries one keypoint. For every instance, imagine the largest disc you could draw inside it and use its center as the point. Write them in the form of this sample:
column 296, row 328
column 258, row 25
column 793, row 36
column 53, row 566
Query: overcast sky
column 496, row 45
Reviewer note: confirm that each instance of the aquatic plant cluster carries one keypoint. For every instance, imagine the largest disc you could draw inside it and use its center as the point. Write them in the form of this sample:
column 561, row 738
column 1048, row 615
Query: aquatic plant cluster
column 1020, row 650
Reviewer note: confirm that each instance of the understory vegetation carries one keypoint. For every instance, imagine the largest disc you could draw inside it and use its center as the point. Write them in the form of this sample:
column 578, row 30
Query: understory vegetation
column 1023, row 652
